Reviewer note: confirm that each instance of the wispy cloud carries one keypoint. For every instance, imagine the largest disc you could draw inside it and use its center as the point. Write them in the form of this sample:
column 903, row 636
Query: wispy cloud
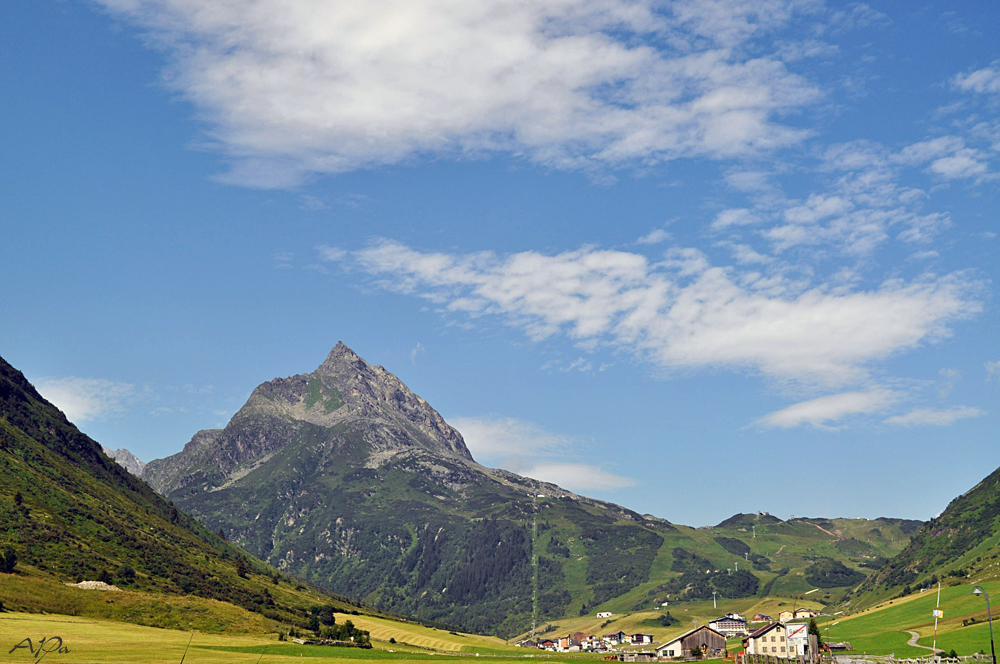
column 527, row 449
column 935, row 417
column 823, row 412
column 415, row 351
column 292, row 88
column 575, row 476
column 655, row 236
column 86, row 399
column 682, row 312
column 506, row 436
column 992, row 369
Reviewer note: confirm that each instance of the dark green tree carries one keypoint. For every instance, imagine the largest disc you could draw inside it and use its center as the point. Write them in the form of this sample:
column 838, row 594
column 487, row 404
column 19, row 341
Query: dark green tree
column 125, row 574
column 814, row 629
column 8, row 561
column 241, row 568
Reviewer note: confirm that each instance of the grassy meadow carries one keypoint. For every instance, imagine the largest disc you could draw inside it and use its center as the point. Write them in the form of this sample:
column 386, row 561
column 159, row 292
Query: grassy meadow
column 98, row 641
column 880, row 630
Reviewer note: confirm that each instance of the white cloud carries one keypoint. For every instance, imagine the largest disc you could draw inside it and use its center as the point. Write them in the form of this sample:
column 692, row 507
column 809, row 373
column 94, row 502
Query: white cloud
column 655, row 236
column 949, row 157
column 683, row 312
column 415, row 351
column 824, row 411
column 576, row 476
column 734, row 217
column 992, row 369
column 331, row 254
column 86, row 399
column 507, row 442
column 291, row 88
column 935, row 417
column 747, row 255
column 491, row 438
column 982, row 81
column 949, row 379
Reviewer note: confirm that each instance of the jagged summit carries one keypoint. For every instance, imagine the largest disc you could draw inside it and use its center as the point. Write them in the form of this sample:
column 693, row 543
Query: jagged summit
column 340, row 354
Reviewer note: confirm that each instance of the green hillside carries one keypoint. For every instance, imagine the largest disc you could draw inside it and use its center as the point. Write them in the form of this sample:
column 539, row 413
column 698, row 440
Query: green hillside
column 69, row 513
column 959, row 546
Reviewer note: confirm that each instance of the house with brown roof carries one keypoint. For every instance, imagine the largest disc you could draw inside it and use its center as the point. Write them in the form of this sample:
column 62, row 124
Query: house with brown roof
column 771, row 639
column 710, row 642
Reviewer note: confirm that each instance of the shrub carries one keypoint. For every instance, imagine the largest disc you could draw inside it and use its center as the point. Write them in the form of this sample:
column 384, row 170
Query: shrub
column 125, row 574
column 8, row 561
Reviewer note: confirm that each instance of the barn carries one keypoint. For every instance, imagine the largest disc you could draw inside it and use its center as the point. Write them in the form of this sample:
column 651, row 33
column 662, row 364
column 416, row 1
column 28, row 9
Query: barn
column 710, row 642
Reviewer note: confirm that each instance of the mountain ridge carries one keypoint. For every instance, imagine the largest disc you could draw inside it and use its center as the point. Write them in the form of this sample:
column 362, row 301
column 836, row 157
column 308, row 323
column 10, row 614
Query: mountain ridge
column 346, row 477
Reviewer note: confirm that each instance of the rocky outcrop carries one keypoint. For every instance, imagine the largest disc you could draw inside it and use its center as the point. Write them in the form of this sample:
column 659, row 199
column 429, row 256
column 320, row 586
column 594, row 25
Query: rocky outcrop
column 126, row 460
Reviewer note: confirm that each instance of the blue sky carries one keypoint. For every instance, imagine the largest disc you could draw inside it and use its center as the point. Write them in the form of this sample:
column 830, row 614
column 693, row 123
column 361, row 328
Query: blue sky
column 693, row 257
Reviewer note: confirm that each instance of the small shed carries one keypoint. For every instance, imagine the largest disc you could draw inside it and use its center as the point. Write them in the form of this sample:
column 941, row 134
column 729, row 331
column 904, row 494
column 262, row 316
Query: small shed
column 710, row 642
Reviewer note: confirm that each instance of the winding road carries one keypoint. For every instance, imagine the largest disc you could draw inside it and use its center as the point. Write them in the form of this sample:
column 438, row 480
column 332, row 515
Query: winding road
column 913, row 641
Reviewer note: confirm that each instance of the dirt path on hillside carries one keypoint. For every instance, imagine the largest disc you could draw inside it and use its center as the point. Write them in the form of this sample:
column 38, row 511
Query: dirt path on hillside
column 913, row 641
column 827, row 531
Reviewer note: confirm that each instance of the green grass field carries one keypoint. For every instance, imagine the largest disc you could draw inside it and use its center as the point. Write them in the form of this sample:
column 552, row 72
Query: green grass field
column 97, row 641
column 880, row 630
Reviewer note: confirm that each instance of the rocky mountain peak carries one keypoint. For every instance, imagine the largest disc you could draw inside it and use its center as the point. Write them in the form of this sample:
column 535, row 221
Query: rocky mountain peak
column 371, row 392
column 340, row 356
column 343, row 393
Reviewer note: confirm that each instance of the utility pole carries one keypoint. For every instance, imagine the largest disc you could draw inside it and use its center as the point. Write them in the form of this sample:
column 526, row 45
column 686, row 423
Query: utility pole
column 534, row 564
column 937, row 614
column 713, row 600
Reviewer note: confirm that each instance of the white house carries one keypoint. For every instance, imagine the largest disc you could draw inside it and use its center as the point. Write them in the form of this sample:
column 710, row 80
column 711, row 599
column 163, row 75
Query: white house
column 768, row 640
column 605, row 614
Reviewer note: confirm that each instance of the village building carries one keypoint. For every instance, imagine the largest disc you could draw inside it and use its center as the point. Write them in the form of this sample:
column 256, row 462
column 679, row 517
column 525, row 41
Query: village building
column 710, row 642
column 640, row 639
column 761, row 617
column 615, row 637
column 797, row 614
column 605, row 614
column 770, row 639
column 731, row 624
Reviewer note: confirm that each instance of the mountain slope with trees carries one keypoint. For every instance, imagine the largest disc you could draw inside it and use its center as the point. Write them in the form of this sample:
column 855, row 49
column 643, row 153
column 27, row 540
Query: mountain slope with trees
column 69, row 513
